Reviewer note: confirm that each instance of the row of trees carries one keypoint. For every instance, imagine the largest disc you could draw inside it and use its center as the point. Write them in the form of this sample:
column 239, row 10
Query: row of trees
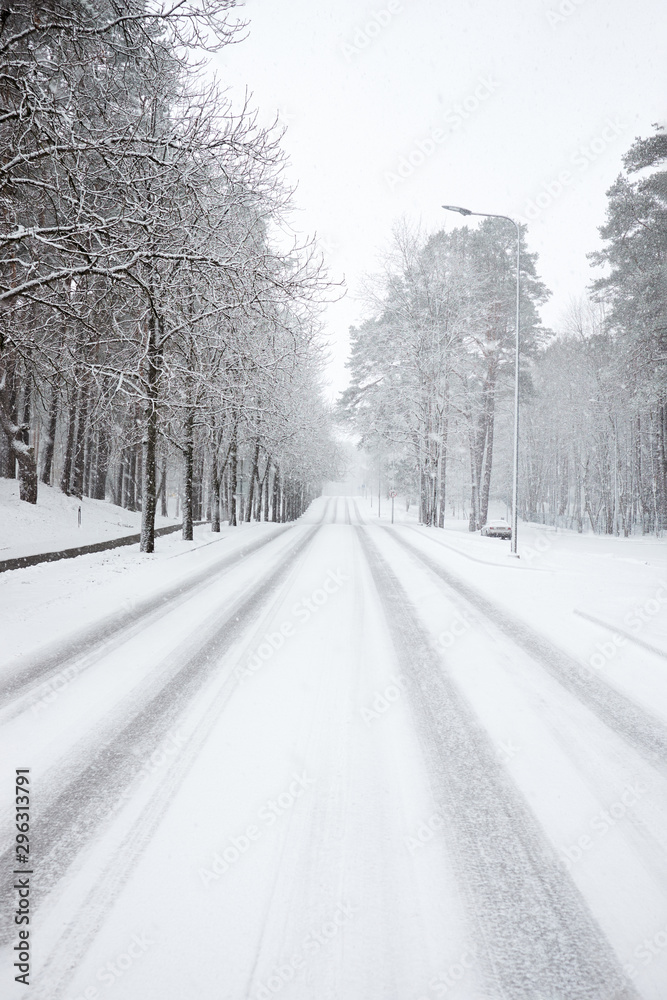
column 432, row 371
column 151, row 307
column 595, row 435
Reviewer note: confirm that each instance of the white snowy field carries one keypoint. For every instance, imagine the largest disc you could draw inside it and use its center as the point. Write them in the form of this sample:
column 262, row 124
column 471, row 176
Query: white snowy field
column 341, row 760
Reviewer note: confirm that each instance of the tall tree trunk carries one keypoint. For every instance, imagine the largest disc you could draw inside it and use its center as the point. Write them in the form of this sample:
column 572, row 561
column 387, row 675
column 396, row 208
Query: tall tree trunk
column 131, row 479
column 79, row 450
column 474, row 486
column 89, row 461
column 22, row 451
column 117, row 483
column 101, row 469
column 215, row 495
column 662, row 467
column 50, row 442
column 233, row 478
column 253, row 477
column 136, row 475
column 27, row 409
column 224, row 498
column 66, row 473
column 275, row 498
column 198, row 491
column 188, row 464
column 443, row 459
column 149, row 471
column 488, row 464
column 266, row 488
column 9, row 405
column 124, row 477
column 163, row 488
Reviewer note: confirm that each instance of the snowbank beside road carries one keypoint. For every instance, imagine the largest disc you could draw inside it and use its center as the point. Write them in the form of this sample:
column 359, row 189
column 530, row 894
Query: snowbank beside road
column 52, row 524
column 67, row 595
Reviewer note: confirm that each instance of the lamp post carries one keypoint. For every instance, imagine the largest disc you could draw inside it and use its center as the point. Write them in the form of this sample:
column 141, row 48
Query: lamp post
column 515, row 470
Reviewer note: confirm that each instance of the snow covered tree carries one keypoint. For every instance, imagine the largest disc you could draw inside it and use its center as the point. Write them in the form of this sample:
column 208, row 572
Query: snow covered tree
column 145, row 310
column 432, row 363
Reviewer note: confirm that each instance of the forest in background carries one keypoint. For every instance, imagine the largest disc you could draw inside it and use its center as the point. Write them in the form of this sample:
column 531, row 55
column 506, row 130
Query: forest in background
column 432, row 371
column 158, row 328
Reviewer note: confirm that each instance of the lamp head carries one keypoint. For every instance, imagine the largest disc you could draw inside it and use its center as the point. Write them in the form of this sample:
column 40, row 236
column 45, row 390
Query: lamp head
column 455, row 208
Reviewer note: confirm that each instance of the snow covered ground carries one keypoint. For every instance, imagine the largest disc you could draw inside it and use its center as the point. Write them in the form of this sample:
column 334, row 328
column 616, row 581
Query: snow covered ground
column 341, row 760
column 54, row 523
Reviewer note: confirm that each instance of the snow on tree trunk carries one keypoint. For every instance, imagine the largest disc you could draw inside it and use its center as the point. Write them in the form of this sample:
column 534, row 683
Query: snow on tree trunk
column 79, row 450
column 253, row 477
column 163, row 488
column 50, row 439
column 275, row 498
column 22, row 451
column 266, row 488
column 188, row 465
column 149, row 469
column 215, row 494
column 233, row 478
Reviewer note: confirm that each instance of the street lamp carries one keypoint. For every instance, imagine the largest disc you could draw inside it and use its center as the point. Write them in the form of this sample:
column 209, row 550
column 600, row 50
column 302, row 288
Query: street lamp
column 515, row 473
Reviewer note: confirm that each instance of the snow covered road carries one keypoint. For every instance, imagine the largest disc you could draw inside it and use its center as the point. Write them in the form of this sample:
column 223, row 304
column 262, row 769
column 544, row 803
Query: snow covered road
column 339, row 760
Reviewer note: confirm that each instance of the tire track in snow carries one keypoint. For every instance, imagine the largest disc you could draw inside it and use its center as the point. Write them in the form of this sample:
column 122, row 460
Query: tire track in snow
column 537, row 935
column 98, row 639
column 67, row 953
column 299, row 835
column 78, row 809
column 285, row 904
column 642, row 731
column 467, row 555
column 319, row 864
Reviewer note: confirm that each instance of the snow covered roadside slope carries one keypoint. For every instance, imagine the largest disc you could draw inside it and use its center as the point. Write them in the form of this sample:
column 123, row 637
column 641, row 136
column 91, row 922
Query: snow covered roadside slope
column 43, row 604
column 52, row 524
column 561, row 579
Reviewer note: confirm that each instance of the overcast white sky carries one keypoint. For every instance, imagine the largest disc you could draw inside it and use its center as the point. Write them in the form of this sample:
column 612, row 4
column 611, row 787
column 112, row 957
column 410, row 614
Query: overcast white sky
column 545, row 86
